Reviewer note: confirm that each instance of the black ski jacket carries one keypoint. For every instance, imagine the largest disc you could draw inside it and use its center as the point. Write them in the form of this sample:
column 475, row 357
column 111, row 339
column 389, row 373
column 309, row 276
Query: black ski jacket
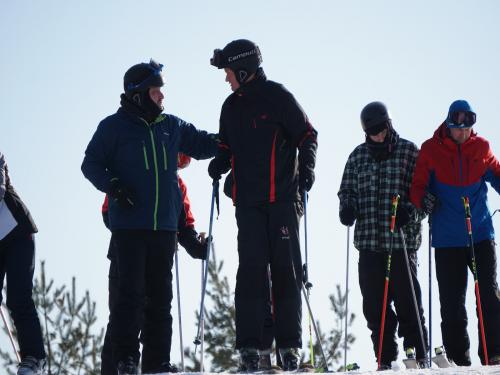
column 261, row 128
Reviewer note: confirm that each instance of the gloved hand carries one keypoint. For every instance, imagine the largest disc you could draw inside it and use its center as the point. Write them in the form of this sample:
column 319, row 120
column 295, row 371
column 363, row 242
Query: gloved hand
column 120, row 194
column 306, row 179
column 214, row 170
column 347, row 215
column 429, row 202
column 402, row 216
column 196, row 246
column 228, row 185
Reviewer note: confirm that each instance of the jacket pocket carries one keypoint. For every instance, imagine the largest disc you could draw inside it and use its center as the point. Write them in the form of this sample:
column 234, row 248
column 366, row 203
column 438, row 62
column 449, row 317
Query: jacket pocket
column 165, row 160
column 146, row 162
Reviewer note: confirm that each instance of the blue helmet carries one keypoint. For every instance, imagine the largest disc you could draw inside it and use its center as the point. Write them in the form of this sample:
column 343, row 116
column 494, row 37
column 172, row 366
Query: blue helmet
column 460, row 115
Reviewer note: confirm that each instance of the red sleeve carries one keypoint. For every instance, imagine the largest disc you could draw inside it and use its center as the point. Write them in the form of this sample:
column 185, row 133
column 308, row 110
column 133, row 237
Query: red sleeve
column 104, row 208
column 186, row 204
column 421, row 175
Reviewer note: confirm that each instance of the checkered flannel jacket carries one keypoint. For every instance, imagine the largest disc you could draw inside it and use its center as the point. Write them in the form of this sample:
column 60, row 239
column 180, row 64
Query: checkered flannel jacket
column 368, row 186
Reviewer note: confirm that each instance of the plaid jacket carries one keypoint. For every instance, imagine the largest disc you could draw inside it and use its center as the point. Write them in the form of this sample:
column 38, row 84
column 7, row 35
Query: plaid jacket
column 368, row 186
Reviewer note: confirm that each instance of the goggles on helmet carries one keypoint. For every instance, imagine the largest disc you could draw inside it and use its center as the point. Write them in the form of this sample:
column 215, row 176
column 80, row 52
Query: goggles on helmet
column 154, row 80
column 461, row 119
column 374, row 130
column 219, row 60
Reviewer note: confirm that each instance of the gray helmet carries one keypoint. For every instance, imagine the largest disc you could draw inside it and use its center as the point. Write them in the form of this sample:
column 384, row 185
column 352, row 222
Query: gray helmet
column 242, row 56
column 374, row 117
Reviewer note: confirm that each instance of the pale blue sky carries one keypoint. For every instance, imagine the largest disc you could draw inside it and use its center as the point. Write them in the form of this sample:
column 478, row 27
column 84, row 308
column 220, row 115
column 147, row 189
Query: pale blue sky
column 62, row 64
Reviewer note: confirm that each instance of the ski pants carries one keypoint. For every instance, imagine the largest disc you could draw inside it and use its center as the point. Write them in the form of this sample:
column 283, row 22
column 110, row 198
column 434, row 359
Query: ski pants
column 371, row 270
column 452, row 271
column 143, row 296
column 268, row 234
column 17, row 262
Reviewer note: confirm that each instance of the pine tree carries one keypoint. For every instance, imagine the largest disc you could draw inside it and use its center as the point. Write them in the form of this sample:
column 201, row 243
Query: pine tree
column 67, row 328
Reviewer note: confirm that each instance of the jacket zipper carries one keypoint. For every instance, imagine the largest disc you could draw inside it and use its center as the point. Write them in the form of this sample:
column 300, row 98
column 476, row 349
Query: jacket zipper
column 145, row 155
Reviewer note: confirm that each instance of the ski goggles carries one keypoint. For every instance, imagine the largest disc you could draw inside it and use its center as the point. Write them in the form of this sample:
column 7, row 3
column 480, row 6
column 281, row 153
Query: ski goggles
column 219, row 60
column 461, row 119
column 153, row 80
column 374, row 130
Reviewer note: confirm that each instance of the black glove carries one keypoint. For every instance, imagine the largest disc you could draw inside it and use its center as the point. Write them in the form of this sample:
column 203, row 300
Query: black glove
column 195, row 247
column 347, row 215
column 429, row 202
column 306, row 179
column 120, row 194
column 214, row 170
column 402, row 216
column 228, row 186
column 105, row 218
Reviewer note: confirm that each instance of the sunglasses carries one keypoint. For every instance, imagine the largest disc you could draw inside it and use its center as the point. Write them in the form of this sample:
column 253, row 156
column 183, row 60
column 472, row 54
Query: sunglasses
column 374, row 130
column 462, row 119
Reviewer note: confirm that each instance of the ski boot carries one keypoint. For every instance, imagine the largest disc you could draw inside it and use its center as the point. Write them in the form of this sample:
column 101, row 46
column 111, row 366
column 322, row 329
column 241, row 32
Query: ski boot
column 31, row 366
column 164, row 367
column 440, row 359
column 127, row 367
column 495, row 360
column 290, row 358
column 410, row 361
column 384, row 367
column 249, row 360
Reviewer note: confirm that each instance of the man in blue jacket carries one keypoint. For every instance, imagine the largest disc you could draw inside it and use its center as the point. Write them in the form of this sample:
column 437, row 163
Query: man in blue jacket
column 133, row 158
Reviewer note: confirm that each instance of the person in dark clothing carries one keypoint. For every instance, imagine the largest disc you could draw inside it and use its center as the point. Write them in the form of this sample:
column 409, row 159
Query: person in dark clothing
column 132, row 157
column 261, row 129
column 375, row 172
column 188, row 237
column 457, row 163
column 17, row 264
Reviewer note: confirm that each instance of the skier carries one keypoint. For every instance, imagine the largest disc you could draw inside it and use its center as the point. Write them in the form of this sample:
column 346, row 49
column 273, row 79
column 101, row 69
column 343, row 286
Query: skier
column 132, row 157
column 456, row 163
column 188, row 237
column 261, row 128
column 375, row 171
column 17, row 262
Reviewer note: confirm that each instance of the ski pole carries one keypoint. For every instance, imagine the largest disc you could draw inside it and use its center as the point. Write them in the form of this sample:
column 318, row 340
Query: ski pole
column 11, row 337
column 303, row 289
column 468, row 215
column 430, row 290
column 494, row 212
column 412, row 287
column 394, row 209
column 346, row 298
column 201, row 321
column 179, row 313
column 308, row 285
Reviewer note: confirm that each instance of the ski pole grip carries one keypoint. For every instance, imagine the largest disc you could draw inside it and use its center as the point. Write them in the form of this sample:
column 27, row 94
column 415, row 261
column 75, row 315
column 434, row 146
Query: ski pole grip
column 394, row 210
column 468, row 215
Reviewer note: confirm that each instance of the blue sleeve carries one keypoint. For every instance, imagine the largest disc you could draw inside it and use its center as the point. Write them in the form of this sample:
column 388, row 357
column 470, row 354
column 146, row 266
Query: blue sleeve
column 96, row 156
column 493, row 180
column 197, row 143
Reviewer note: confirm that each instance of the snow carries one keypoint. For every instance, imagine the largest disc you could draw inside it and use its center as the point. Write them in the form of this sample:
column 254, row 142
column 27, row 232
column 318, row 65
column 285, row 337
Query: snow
column 399, row 369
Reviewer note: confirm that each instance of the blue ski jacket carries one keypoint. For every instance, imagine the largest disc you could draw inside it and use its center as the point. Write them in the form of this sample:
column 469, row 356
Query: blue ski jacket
column 143, row 157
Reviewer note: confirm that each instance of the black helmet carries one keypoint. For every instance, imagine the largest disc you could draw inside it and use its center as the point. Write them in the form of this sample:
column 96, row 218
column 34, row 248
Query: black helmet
column 375, row 117
column 141, row 77
column 242, row 56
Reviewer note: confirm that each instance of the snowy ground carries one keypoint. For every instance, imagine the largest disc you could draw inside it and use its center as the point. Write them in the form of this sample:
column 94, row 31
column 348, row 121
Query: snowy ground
column 489, row 370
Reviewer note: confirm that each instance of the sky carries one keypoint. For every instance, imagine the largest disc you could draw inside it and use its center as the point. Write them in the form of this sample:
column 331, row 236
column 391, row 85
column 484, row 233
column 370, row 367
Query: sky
column 62, row 65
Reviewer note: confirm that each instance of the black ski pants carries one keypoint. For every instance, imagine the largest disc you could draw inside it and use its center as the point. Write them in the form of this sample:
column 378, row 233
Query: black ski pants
column 268, row 234
column 452, row 264
column 371, row 270
column 17, row 262
column 144, row 260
